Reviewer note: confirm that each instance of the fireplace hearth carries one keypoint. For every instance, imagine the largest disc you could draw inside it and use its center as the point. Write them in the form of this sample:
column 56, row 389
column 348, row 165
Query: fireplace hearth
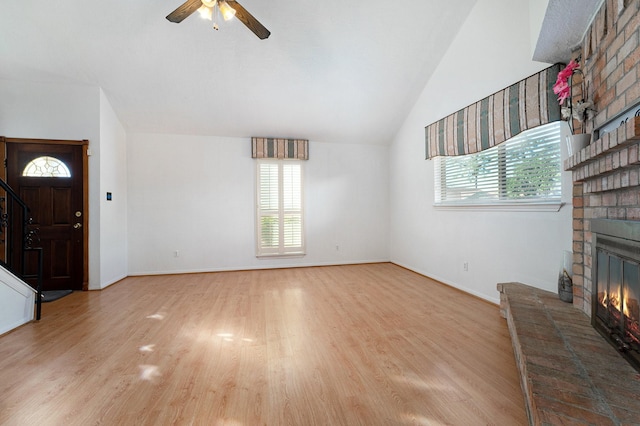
column 616, row 277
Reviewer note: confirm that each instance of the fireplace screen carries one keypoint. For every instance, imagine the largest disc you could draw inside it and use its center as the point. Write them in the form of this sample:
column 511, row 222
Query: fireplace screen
column 616, row 311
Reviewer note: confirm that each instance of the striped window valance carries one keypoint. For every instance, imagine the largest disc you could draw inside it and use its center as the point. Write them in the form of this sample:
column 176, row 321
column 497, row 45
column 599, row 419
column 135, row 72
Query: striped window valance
column 526, row 104
column 280, row 148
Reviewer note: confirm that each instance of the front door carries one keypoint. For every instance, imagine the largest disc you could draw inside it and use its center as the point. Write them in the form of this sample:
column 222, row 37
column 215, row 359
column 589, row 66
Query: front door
column 49, row 179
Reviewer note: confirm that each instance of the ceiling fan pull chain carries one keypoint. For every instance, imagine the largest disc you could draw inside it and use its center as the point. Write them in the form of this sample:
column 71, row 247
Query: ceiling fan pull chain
column 216, row 13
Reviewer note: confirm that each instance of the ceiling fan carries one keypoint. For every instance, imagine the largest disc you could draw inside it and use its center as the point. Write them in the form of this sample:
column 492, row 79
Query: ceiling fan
column 228, row 9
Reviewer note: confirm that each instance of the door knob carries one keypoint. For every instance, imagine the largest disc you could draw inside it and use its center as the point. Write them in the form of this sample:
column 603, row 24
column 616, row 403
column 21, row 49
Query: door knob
column 77, row 225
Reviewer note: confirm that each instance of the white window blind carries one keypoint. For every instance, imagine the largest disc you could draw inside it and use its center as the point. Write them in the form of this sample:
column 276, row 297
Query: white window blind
column 524, row 169
column 279, row 208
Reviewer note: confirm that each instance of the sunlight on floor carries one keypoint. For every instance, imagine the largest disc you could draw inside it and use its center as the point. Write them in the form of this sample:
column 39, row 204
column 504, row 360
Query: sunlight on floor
column 228, row 422
column 420, row 420
column 208, row 336
column 227, row 337
column 158, row 316
column 420, row 383
column 149, row 372
column 146, row 348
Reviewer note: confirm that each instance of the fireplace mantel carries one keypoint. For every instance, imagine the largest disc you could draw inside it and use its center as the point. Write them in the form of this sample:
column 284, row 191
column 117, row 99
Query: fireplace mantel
column 613, row 152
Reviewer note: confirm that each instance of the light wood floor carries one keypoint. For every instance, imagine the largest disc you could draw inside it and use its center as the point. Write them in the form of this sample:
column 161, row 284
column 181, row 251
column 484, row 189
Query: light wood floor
column 345, row 345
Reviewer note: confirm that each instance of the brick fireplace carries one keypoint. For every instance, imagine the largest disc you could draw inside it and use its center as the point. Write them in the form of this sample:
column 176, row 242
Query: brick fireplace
column 606, row 174
column 606, row 186
column 569, row 373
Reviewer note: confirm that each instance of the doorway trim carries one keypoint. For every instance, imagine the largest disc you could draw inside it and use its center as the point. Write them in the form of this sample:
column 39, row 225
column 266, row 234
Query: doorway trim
column 85, row 187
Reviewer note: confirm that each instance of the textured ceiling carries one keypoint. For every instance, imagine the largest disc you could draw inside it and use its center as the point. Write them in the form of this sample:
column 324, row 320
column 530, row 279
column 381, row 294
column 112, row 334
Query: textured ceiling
column 559, row 35
column 331, row 71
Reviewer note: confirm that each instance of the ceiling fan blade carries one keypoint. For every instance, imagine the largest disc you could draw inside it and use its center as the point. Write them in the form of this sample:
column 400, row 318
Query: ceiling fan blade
column 184, row 10
column 248, row 19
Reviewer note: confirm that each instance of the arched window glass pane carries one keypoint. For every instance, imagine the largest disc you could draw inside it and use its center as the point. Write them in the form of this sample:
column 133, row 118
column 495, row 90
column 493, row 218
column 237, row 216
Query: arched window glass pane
column 46, row 167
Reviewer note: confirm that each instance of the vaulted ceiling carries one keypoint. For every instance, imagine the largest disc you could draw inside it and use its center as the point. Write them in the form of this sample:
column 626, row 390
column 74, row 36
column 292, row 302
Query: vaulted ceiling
column 331, row 70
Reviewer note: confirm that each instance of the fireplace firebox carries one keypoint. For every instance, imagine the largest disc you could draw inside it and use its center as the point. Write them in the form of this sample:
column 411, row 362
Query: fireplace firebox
column 616, row 280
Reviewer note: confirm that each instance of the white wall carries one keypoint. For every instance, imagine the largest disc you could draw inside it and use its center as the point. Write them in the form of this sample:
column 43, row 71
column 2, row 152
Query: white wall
column 537, row 10
column 492, row 51
column 17, row 301
column 195, row 195
column 113, row 179
column 59, row 111
column 48, row 111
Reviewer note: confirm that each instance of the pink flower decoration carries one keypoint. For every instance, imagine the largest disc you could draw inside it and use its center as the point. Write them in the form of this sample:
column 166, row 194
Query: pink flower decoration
column 561, row 87
column 568, row 70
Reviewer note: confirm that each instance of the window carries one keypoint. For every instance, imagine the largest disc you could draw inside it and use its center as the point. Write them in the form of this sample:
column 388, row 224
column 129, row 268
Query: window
column 46, row 167
column 526, row 169
column 279, row 208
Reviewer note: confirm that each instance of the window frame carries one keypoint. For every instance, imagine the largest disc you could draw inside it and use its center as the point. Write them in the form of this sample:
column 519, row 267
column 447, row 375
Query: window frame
column 281, row 250
column 551, row 204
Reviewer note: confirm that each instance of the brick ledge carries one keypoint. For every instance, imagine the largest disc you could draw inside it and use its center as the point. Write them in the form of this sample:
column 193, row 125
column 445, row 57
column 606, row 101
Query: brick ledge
column 568, row 372
column 613, row 141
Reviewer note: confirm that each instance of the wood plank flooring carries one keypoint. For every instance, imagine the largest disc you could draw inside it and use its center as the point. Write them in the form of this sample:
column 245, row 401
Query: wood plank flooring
column 341, row 345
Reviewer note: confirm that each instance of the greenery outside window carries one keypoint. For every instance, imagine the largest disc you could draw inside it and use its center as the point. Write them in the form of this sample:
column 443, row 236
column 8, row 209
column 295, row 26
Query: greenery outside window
column 280, row 227
column 525, row 170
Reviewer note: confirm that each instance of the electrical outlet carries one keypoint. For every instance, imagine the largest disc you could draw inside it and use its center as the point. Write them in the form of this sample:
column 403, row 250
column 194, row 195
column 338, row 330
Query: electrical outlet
column 176, row 253
column 465, row 266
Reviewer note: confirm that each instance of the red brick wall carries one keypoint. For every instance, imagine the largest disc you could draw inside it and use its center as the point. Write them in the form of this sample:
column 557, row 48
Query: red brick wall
column 610, row 58
column 606, row 173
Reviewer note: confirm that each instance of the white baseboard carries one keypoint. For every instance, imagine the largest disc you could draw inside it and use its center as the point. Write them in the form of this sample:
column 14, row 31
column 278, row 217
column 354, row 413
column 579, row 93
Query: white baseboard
column 254, row 267
column 495, row 300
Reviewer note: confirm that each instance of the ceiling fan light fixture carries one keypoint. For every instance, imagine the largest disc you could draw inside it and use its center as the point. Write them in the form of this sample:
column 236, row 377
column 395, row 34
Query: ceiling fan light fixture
column 210, row 9
column 205, row 12
column 227, row 11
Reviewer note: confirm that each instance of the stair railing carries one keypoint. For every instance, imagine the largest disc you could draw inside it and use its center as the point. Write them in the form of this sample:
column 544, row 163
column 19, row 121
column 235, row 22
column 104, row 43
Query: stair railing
column 28, row 238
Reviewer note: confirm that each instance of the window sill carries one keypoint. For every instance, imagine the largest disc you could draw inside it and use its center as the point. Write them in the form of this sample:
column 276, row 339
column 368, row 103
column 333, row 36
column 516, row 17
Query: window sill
column 554, row 206
column 283, row 256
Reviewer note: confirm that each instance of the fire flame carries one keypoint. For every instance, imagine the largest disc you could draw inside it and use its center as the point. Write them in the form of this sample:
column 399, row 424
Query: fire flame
column 614, row 301
column 607, row 300
column 625, row 304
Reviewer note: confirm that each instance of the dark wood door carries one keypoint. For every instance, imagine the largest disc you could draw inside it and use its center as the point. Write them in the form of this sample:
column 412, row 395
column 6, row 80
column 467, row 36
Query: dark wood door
column 49, row 178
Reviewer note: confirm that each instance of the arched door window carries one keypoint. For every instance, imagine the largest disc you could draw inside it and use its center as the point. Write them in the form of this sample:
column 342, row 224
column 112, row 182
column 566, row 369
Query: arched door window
column 46, row 167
